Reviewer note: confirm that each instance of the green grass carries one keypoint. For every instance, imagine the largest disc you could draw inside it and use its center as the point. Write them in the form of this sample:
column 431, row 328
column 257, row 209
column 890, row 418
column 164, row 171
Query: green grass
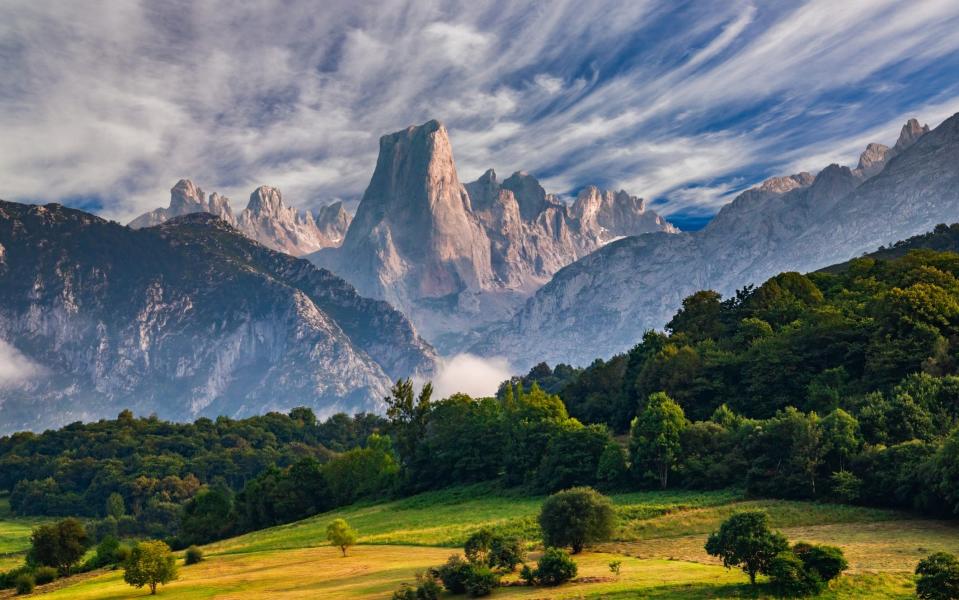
column 14, row 535
column 659, row 540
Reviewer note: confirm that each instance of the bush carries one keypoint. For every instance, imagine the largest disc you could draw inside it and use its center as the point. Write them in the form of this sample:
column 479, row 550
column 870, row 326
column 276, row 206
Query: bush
column 528, row 575
column 494, row 550
column 576, row 517
column 938, row 577
column 480, row 581
column 24, row 584
column 554, row 567
column 426, row 588
column 193, row 555
column 827, row 562
column 790, row 578
column 44, row 575
column 106, row 553
column 454, row 574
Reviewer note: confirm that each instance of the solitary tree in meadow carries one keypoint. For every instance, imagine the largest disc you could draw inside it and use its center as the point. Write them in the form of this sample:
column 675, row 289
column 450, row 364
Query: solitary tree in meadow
column 341, row 534
column 744, row 540
column 150, row 563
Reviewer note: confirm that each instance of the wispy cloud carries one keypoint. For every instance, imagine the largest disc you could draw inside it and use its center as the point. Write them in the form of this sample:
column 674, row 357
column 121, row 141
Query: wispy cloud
column 15, row 367
column 118, row 99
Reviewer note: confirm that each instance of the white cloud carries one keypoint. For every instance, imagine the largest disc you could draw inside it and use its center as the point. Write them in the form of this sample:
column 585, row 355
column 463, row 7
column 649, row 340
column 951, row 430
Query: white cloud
column 15, row 367
column 119, row 99
column 470, row 374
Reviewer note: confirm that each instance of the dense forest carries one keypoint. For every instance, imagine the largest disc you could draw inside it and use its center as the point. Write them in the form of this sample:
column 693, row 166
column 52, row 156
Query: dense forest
column 838, row 385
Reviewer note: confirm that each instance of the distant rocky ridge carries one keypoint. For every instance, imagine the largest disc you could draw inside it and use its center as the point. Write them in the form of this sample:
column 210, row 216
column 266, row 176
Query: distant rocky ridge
column 453, row 256
column 602, row 304
column 185, row 319
column 266, row 218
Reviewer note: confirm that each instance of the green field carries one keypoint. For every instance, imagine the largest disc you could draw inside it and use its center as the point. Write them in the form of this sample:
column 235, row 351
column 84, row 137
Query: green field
column 14, row 535
column 659, row 540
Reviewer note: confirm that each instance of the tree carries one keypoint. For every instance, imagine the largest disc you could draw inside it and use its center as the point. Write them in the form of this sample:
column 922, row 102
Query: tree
column 59, row 545
column 791, row 578
column 654, row 436
column 207, row 516
column 745, row 540
column 938, row 577
column 408, row 417
column 840, row 437
column 115, row 507
column 340, row 534
column 572, row 456
column 493, row 550
column 150, row 563
column 576, row 517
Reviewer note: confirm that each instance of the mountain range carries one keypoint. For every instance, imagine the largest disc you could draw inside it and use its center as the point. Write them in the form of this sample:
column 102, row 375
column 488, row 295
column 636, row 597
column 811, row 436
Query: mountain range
column 184, row 319
column 265, row 219
column 453, row 256
column 602, row 304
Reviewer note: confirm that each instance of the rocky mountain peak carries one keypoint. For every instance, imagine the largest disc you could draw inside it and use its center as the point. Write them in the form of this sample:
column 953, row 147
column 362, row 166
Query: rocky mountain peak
column 911, row 132
column 186, row 197
column 872, row 159
column 528, row 192
column 781, row 185
column 266, row 200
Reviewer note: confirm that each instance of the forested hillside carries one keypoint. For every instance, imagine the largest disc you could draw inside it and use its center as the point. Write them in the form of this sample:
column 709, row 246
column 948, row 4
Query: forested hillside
column 837, row 385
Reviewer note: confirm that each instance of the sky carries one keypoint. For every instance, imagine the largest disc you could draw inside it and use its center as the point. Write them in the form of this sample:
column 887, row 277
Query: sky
column 105, row 105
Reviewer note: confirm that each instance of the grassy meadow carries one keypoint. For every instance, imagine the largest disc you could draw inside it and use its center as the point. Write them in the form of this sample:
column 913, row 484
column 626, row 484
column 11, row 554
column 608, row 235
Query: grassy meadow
column 660, row 541
column 14, row 535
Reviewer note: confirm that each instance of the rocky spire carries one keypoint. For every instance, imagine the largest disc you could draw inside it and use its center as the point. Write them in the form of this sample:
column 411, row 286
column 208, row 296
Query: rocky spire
column 911, row 132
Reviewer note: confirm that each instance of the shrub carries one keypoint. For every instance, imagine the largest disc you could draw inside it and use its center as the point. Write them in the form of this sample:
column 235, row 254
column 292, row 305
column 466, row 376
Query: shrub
column 59, row 545
column 790, row 578
column 44, row 575
column 454, row 574
column 554, row 567
column 938, row 577
column 615, row 566
column 106, row 553
column 576, row 517
column 745, row 540
column 24, row 584
column 193, row 555
column 426, row 588
column 480, row 581
column 827, row 562
column 528, row 575
column 494, row 550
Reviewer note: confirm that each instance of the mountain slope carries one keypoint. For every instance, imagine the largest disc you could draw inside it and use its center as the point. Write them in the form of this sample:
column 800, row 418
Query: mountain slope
column 452, row 256
column 188, row 318
column 266, row 218
column 603, row 303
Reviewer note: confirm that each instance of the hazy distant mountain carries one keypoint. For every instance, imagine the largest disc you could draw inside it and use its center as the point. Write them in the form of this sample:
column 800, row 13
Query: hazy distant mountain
column 604, row 302
column 184, row 319
column 453, row 256
column 266, row 218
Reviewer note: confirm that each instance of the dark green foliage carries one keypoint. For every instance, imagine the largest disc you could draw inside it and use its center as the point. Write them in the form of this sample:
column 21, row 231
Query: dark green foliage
column 24, row 584
column 937, row 577
column 572, row 457
column 554, row 567
column 454, row 573
column 44, row 575
column 8, row 579
column 426, row 588
column 745, row 540
column 575, row 518
column 107, row 553
column 528, row 574
column 790, row 578
column 480, row 581
column 654, row 438
column 612, row 471
column 193, row 555
column 826, row 562
column 787, row 452
column 207, row 517
column 59, row 545
column 494, row 550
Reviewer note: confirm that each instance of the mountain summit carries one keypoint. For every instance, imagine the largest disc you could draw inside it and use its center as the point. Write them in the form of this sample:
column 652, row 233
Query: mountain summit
column 266, row 218
column 452, row 255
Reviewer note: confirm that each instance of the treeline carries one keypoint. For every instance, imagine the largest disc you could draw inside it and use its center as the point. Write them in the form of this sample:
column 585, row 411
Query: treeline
column 154, row 467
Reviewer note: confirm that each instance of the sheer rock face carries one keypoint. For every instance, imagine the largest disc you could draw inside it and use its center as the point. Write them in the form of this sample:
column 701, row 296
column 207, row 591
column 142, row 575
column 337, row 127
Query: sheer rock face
column 602, row 304
column 455, row 256
column 186, row 319
column 266, row 218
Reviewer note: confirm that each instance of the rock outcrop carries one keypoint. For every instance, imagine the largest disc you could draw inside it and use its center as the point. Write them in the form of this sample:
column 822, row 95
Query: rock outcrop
column 602, row 304
column 185, row 319
column 266, row 218
column 454, row 256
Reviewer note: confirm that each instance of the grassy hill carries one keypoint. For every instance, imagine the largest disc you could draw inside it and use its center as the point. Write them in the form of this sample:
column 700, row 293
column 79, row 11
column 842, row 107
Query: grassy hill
column 14, row 535
column 659, row 540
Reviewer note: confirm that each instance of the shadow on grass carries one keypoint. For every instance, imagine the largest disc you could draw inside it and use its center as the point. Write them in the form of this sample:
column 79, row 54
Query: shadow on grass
column 693, row 591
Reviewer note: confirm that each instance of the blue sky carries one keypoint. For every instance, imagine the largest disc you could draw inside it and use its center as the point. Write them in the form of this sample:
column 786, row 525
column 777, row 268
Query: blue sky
column 105, row 105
